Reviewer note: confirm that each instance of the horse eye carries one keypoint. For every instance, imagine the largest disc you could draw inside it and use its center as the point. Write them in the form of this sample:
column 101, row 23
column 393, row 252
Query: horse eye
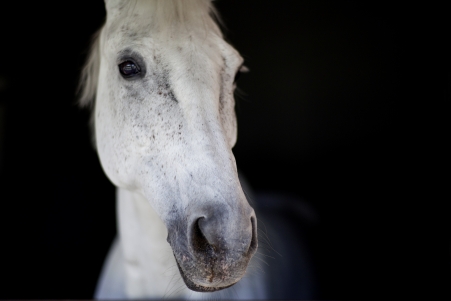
column 129, row 69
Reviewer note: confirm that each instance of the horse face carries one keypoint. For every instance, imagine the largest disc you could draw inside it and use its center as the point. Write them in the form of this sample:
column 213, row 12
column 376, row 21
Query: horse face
column 165, row 126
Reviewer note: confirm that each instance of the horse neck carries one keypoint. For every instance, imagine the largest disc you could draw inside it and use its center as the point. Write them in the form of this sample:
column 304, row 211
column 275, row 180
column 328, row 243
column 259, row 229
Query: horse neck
column 150, row 268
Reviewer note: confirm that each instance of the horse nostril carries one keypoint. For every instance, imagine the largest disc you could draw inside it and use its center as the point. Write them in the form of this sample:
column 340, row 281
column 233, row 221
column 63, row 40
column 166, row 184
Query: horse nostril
column 209, row 236
column 254, row 242
column 199, row 241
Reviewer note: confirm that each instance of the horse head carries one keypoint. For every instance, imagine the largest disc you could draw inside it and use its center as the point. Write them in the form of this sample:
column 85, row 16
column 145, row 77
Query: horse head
column 165, row 126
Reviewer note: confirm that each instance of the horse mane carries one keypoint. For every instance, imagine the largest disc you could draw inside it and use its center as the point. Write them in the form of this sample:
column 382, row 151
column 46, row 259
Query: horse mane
column 165, row 13
column 89, row 78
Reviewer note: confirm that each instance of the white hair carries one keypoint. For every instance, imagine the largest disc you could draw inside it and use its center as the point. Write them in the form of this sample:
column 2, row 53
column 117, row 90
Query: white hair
column 168, row 16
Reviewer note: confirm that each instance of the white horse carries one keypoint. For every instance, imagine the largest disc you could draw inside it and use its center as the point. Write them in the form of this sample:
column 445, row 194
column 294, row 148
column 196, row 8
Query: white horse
column 160, row 78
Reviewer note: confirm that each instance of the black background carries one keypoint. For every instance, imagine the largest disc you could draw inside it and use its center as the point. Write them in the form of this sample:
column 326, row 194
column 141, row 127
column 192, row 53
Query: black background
column 344, row 107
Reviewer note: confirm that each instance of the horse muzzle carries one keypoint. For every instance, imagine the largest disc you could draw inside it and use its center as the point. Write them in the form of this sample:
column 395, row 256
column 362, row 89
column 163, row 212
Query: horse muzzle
column 214, row 249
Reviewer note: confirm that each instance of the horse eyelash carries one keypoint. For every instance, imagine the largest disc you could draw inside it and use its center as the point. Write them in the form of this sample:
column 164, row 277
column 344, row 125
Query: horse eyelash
column 243, row 69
